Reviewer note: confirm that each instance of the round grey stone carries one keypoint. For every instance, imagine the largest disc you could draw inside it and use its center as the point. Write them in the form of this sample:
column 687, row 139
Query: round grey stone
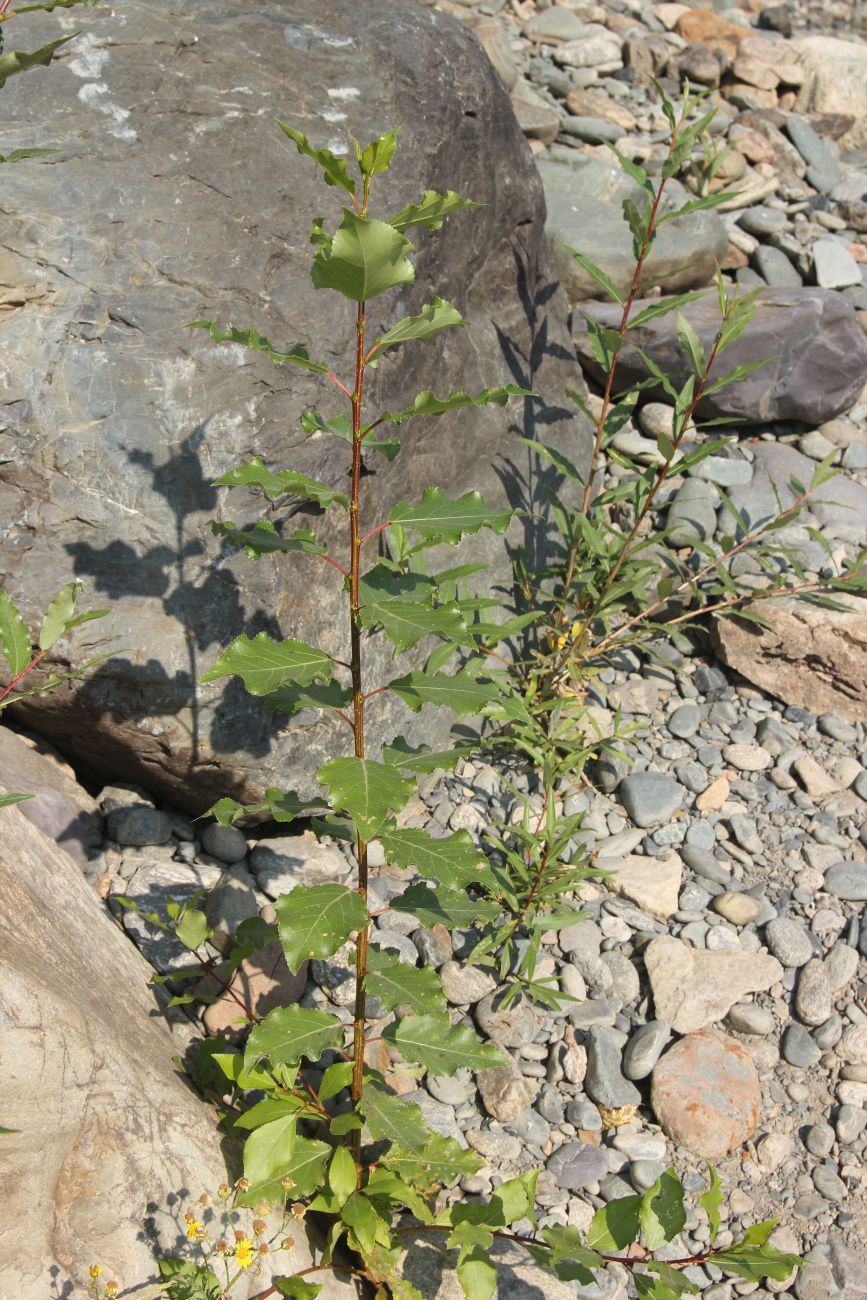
column 650, row 798
column 138, row 826
column 584, row 1115
column 751, row 1019
column 788, row 942
column 819, row 1139
column 576, row 1166
column 644, row 1173
column 434, row 946
column 685, row 721
column 644, row 1048
column 512, row 1026
column 849, row 1123
column 464, row 985
column 550, row 1105
column 829, row 1184
column 798, row 1047
column 847, row 881
column 225, row 843
column 604, row 1082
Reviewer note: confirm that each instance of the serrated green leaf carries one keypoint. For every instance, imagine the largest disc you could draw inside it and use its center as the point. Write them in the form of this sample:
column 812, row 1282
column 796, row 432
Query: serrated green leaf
column 452, row 860
column 441, row 1163
column 711, row 1200
column 756, row 1262
column 424, row 759
column 596, row 273
column 366, row 790
column 432, row 210
column 427, row 403
column 396, row 984
column 405, row 623
column 438, row 519
column 22, row 60
column 672, row 1280
column 291, row 699
column 268, row 1150
column 450, row 907
column 262, row 538
column 436, row 316
column 461, row 692
column 334, row 168
column 394, row 1119
column 616, row 1225
column 256, row 342
column 306, row 1168
column 265, row 665
column 362, row 259
column 289, row 1033
column 14, row 636
column 316, row 920
column 477, row 1275
column 662, row 1214
column 441, row 1047
column 282, row 805
column 280, row 483
column 342, row 1175
column 376, row 157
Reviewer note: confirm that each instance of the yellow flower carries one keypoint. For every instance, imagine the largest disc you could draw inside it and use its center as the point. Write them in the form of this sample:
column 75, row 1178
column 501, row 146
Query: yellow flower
column 194, row 1227
column 111, row 1290
column 95, row 1270
column 245, row 1252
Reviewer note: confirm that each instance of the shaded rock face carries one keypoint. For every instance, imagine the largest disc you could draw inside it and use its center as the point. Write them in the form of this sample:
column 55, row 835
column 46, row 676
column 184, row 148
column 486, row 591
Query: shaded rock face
column 175, row 197
column 109, row 1137
column 811, row 657
column 816, row 348
column 59, row 806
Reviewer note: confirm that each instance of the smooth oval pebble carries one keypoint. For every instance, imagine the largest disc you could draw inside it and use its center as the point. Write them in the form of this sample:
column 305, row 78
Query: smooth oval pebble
column 740, row 909
column 847, row 881
column 747, row 758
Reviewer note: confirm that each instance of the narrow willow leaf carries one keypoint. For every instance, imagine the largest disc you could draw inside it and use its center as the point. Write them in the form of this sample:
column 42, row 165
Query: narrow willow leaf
column 428, row 404
column 438, row 519
column 735, row 375
column 396, row 984
column 691, row 344
column 392, row 1119
column 662, row 1214
column 439, row 1046
column 316, row 920
column 453, row 860
column 432, row 210
column 256, row 342
column 281, row 483
column 265, row 665
column 376, row 157
column 477, row 1275
column 664, row 307
column 334, row 168
column 711, row 1200
column 263, row 538
column 7, row 800
column 596, row 273
column 289, row 1033
column 694, row 205
column 14, row 636
column 405, row 623
column 268, row 1150
column 616, row 1225
column 368, row 791
column 363, row 259
column 450, row 907
column 438, row 315
column 461, row 692
column 424, row 759
column 557, row 459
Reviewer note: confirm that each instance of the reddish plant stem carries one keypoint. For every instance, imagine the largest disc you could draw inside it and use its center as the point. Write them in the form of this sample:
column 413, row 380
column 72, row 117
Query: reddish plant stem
column 378, row 529
column 335, row 565
column 24, row 671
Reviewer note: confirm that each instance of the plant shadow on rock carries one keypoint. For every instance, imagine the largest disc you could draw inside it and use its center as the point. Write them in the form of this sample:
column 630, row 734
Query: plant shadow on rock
column 207, row 608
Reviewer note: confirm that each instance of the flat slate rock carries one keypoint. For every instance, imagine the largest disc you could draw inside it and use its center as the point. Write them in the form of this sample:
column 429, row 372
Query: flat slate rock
column 817, row 351
column 113, row 466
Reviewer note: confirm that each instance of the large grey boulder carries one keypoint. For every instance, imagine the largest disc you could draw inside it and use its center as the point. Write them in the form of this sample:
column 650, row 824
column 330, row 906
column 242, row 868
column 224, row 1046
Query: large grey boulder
column 584, row 197
column 816, row 350
column 174, row 197
column 110, row 1147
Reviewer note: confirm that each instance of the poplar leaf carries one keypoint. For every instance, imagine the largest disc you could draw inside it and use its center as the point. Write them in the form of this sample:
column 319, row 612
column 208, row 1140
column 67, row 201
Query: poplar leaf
column 256, row 342
column 280, row 483
column 362, row 259
column 268, row 1149
column 477, row 1275
column 14, row 636
column 289, row 1033
column 265, row 665
column 439, row 1046
column 334, row 168
column 394, row 1119
column 396, row 984
column 449, row 907
column 262, row 538
column 316, row 920
column 452, row 860
column 438, row 519
column 60, row 616
column 438, row 315
column 368, row 791
column 432, row 210
column 616, row 1225
column 427, row 403
column 461, row 692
